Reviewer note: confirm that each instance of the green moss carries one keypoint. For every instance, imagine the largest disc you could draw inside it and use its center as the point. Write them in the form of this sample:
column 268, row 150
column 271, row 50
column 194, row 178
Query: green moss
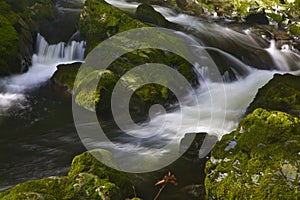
column 275, row 17
column 65, row 75
column 87, row 179
column 100, row 20
column 281, row 93
column 86, row 162
column 9, row 47
column 262, row 164
column 295, row 29
column 99, row 99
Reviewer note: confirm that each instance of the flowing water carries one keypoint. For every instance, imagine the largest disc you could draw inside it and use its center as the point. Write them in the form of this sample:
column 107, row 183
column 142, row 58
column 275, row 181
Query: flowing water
column 38, row 137
column 35, row 121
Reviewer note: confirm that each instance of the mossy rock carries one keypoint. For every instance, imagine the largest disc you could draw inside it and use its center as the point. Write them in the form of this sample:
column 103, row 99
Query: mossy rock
column 90, row 99
column 87, row 179
column 9, row 47
column 294, row 29
column 65, row 75
column 259, row 160
column 87, row 163
column 99, row 21
column 147, row 14
column 281, row 93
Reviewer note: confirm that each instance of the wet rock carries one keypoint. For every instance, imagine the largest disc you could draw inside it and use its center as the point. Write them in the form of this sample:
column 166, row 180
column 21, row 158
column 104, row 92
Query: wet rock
column 194, row 191
column 196, row 146
column 65, row 75
column 182, row 3
column 166, row 3
column 147, row 14
column 257, row 18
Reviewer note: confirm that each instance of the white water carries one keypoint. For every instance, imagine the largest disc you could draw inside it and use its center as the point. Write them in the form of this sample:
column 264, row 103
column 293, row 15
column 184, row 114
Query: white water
column 219, row 114
column 13, row 89
column 221, row 105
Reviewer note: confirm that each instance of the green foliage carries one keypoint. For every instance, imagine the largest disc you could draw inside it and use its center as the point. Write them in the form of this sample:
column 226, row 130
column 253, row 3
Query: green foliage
column 264, row 163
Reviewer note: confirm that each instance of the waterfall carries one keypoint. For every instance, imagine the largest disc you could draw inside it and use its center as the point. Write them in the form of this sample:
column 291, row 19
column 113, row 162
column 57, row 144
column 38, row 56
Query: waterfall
column 13, row 89
column 61, row 52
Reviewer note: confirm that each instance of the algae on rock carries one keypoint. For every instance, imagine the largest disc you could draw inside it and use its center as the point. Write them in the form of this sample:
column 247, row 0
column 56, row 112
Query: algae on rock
column 259, row 160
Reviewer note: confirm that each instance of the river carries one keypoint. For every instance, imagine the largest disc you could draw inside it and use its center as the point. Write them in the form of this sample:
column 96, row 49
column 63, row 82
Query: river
column 38, row 137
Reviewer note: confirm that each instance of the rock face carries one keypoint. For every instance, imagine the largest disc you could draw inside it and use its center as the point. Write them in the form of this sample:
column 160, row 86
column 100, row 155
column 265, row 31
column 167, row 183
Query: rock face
column 282, row 93
column 260, row 160
column 9, row 41
column 87, row 179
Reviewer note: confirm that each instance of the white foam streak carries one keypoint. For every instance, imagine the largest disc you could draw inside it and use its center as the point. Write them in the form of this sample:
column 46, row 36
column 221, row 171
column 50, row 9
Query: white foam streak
column 219, row 114
column 123, row 5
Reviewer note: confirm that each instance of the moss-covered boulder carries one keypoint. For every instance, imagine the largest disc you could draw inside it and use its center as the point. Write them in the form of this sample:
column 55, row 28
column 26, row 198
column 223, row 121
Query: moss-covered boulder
column 259, row 160
column 65, row 75
column 9, row 41
column 9, row 47
column 87, row 179
column 281, row 93
column 98, row 22
column 89, row 99
column 294, row 29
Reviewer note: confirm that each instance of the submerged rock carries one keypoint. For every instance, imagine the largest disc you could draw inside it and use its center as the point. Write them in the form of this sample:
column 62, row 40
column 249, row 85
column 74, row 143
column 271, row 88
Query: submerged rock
column 87, row 179
column 263, row 163
column 196, row 146
column 282, row 93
